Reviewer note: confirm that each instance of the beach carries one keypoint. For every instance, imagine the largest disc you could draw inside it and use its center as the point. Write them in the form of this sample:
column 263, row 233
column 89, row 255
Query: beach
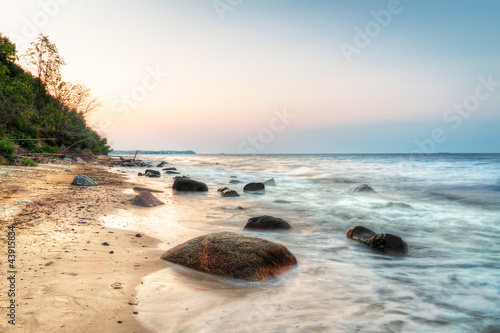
column 445, row 208
column 65, row 277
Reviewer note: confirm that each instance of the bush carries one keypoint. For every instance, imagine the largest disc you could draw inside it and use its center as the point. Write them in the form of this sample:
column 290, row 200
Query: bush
column 7, row 148
column 29, row 162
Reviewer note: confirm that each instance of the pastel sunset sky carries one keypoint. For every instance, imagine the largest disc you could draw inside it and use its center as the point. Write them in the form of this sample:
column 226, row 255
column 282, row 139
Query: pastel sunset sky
column 279, row 76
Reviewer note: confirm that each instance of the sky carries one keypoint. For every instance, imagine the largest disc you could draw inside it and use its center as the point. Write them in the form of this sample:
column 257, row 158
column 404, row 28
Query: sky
column 279, row 76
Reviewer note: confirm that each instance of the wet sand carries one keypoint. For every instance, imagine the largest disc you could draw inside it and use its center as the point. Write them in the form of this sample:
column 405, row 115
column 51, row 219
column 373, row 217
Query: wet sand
column 66, row 279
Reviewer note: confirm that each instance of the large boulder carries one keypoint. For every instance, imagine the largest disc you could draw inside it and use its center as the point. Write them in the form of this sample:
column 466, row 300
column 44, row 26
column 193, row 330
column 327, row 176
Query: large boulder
column 251, row 187
column 188, row 184
column 234, row 256
column 364, row 188
column 82, row 180
column 386, row 243
column 146, row 199
column 267, row 223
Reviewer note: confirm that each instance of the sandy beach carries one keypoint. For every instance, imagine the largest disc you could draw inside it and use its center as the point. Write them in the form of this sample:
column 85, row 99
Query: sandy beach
column 66, row 280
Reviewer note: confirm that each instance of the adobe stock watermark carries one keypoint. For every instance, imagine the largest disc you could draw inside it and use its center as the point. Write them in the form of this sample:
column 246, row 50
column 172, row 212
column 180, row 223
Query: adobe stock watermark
column 371, row 30
column 456, row 114
column 129, row 101
column 223, row 6
column 278, row 123
column 31, row 26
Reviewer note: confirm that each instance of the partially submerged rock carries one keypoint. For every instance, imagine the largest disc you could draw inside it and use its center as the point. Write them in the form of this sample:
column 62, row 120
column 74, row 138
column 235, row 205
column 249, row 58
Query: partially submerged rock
column 364, row 188
column 146, row 199
column 234, row 256
column 170, row 169
column 152, row 173
column 227, row 193
column 399, row 205
column 251, row 187
column 234, row 181
column 172, row 172
column 386, row 243
column 140, row 189
column 270, row 182
column 267, row 222
column 82, row 180
column 188, row 184
column 162, row 164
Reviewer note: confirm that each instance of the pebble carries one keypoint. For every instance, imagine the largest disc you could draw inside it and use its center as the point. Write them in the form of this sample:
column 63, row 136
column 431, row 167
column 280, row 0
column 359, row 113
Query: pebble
column 105, row 244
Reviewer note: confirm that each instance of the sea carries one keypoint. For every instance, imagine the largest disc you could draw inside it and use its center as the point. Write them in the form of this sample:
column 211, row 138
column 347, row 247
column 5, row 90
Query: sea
column 448, row 282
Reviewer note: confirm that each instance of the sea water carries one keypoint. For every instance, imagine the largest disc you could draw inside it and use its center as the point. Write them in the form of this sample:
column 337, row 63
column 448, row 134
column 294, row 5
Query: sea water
column 448, row 282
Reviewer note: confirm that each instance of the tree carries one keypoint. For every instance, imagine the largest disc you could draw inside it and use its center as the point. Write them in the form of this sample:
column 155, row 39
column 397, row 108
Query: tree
column 44, row 62
column 7, row 54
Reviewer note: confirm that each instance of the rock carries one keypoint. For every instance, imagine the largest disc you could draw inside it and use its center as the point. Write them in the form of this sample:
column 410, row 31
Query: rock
column 240, row 208
column 187, row 184
column 170, row 169
column 222, row 189
column 270, row 182
column 105, row 244
column 162, row 164
column 267, row 222
column 386, row 243
column 227, row 193
column 234, row 181
column 282, row 201
column 234, row 256
column 140, row 189
column 180, row 177
column 399, row 205
column 82, row 180
column 251, row 187
column 78, row 160
column 360, row 234
column 150, row 172
column 140, row 174
column 138, row 235
column 364, row 188
column 154, row 175
column 146, row 199
column 172, row 172
column 68, row 170
column 233, row 177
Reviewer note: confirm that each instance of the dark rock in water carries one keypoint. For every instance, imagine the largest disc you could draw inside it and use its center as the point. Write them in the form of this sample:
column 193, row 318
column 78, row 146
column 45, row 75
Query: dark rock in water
column 360, row 234
column 162, row 164
column 150, row 172
column 234, row 256
column 228, row 193
column 146, row 199
column 170, row 169
column 180, row 177
column 240, row 208
column 140, row 189
column 270, row 182
column 140, row 174
column 282, row 201
column 68, row 170
column 399, row 204
column 82, row 180
column 364, row 188
column 222, row 189
column 267, row 222
column 254, row 187
column 233, row 177
column 153, row 175
column 172, row 172
column 234, row 181
column 386, row 243
column 187, row 184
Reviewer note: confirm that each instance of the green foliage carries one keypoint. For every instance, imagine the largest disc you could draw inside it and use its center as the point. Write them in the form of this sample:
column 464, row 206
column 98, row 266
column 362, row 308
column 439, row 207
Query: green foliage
column 29, row 162
column 39, row 105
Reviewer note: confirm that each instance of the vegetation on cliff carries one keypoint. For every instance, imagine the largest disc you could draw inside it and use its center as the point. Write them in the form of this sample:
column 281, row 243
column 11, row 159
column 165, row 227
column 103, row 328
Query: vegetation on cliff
column 39, row 112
